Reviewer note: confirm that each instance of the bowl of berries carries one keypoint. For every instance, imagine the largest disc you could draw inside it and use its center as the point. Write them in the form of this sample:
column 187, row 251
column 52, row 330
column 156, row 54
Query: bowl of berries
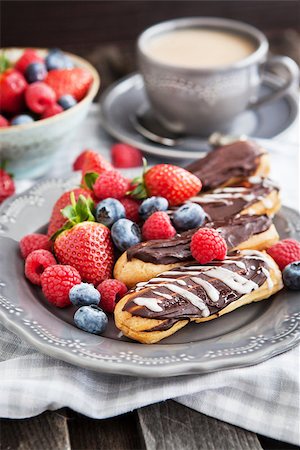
column 44, row 96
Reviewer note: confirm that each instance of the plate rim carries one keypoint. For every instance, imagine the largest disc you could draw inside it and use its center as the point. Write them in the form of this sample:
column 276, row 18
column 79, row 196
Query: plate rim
column 128, row 364
column 164, row 151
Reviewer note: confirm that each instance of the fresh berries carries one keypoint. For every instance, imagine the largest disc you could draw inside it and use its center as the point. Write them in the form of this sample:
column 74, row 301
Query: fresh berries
column 56, row 281
column 111, row 292
column 52, row 110
column 87, row 247
column 36, row 71
column 84, row 294
column 57, row 220
column 207, row 244
column 158, row 226
column 36, row 263
column 79, row 161
column 28, row 57
column 125, row 234
column 3, row 122
column 151, row 205
column 93, row 162
column 75, row 82
column 56, row 59
column 67, row 101
column 125, row 156
column 32, row 242
column 91, row 319
column 22, row 119
column 291, row 276
column 108, row 211
column 171, row 182
column 7, row 185
column 12, row 90
column 131, row 208
column 111, row 184
column 39, row 97
column 285, row 252
column 189, row 216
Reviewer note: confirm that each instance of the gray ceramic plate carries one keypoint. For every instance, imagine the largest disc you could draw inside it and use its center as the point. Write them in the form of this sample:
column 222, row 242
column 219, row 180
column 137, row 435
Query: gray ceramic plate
column 122, row 100
column 244, row 337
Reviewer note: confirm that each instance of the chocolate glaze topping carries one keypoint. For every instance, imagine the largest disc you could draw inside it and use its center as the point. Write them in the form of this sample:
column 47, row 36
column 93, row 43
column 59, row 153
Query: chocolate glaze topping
column 176, row 292
column 237, row 160
column 235, row 231
column 227, row 202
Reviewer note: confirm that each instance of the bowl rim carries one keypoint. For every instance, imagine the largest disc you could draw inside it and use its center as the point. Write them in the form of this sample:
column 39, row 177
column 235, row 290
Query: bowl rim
column 81, row 62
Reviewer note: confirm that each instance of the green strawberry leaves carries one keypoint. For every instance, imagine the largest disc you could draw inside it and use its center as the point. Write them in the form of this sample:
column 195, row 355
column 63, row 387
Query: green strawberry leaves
column 4, row 63
column 140, row 191
column 77, row 212
column 90, row 179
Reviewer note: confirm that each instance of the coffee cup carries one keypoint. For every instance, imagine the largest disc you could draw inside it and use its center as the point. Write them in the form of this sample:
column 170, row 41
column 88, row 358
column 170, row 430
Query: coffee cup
column 200, row 73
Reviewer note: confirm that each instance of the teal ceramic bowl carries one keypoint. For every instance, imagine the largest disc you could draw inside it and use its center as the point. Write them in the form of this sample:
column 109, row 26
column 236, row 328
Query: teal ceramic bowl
column 30, row 149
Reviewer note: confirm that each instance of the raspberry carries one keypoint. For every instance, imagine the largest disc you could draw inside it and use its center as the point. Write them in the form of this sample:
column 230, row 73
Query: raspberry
column 33, row 242
column 28, row 57
column 124, row 155
column 3, row 122
column 39, row 96
column 52, row 110
column 56, row 283
column 207, row 244
column 285, row 252
column 158, row 226
column 131, row 208
column 111, row 292
column 36, row 263
column 79, row 161
column 111, row 184
column 7, row 185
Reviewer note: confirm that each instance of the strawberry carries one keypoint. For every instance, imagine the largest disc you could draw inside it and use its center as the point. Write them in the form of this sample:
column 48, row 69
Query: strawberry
column 7, row 185
column 79, row 161
column 3, row 122
column 29, row 56
column 85, row 244
column 124, row 155
column 165, row 180
column 75, row 82
column 57, row 220
column 12, row 90
column 93, row 163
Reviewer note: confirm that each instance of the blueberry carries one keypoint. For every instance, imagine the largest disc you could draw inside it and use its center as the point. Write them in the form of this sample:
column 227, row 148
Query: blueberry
column 109, row 211
column 189, row 215
column 67, row 101
column 36, row 71
column 22, row 119
column 125, row 234
column 151, row 205
column 56, row 59
column 291, row 276
column 91, row 319
column 84, row 294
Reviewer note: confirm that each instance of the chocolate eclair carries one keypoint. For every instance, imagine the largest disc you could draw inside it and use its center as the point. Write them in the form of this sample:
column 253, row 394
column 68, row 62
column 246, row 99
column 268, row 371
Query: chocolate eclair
column 252, row 196
column 158, row 308
column 147, row 259
column 231, row 164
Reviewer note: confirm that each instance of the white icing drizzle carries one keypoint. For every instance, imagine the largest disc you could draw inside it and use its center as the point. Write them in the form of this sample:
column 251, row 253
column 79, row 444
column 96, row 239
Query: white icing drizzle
column 194, row 299
column 155, row 280
column 167, row 296
column 229, row 189
column 269, row 279
column 182, row 282
column 255, row 179
column 233, row 280
column 211, row 291
column 239, row 264
column 150, row 303
column 252, row 267
column 219, row 197
column 255, row 254
column 176, row 272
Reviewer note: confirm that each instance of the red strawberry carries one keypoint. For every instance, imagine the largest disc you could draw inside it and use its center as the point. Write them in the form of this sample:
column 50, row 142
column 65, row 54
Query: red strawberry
column 7, row 185
column 75, row 82
column 94, row 163
column 111, row 184
column 57, row 220
column 124, row 155
column 171, row 182
column 79, row 161
column 131, row 208
column 12, row 90
column 29, row 56
column 87, row 246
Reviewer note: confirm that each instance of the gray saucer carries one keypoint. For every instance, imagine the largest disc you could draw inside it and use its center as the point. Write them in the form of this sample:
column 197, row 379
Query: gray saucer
column 122, row 101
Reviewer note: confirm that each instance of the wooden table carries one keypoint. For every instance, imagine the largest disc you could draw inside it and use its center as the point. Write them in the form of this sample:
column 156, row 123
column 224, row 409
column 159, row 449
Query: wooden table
column 164, row 426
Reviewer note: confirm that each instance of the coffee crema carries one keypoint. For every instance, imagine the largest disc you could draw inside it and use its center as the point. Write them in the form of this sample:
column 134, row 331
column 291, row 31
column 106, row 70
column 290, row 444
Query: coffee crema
column 199, row 48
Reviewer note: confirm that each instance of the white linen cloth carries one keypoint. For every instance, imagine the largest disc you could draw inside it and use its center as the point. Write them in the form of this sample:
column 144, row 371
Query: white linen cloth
column 263, row 398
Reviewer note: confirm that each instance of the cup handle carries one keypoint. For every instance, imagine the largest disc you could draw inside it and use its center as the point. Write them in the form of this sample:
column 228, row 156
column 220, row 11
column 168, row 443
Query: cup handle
column 292, row 74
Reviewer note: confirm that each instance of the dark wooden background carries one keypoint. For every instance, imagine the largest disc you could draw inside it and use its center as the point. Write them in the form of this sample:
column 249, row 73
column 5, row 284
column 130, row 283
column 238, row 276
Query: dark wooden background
column 105, row 31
